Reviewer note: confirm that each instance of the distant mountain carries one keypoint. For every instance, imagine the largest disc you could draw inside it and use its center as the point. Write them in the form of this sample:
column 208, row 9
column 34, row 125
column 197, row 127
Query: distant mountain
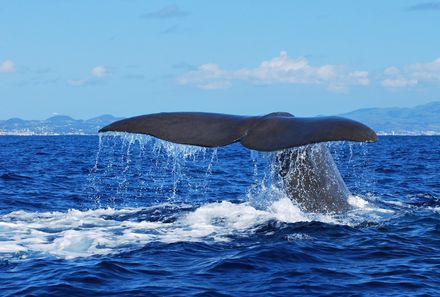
column 418, row 120
column 55, row 125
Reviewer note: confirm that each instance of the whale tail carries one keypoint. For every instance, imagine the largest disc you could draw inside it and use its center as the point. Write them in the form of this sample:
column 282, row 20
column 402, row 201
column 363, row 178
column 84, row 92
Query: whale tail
column 272, row 132
column 309, row 174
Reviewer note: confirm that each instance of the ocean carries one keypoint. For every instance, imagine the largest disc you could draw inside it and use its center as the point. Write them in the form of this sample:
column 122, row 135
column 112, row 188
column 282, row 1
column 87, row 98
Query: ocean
column 129, row 215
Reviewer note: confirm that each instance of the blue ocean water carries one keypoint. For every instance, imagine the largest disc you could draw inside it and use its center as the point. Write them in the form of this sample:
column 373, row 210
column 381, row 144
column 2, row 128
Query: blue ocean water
column 127, row 215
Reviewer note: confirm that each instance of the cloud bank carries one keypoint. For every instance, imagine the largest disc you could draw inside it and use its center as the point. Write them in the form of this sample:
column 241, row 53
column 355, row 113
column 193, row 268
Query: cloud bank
column 412, row 75
column 282, row 69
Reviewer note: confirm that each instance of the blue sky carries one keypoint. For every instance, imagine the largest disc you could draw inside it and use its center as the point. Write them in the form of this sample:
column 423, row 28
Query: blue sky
column 130, row 57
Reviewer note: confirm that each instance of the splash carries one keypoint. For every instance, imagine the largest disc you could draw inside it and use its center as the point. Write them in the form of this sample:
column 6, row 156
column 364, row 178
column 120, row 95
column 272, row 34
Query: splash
column 130, row 167
column 178, row 181
column 87, row 233
column 134, row 169
column 146, row 190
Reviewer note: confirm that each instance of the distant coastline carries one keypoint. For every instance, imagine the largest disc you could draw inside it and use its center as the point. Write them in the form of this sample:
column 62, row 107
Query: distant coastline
column 30, row 133
column 418, row 120
column 409, row 133
column 54, row 126
column 26, row 134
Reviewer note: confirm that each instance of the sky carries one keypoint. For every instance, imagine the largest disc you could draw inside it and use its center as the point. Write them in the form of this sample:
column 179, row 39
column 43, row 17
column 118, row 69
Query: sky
column 86, row 58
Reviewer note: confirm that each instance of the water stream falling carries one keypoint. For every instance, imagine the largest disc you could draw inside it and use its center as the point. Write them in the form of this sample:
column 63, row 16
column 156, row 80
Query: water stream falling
column 136, row 170
column 131, row 166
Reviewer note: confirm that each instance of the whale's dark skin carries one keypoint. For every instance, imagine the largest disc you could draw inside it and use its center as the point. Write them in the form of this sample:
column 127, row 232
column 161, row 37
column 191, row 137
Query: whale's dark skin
column 311, row 178
column 309, row 174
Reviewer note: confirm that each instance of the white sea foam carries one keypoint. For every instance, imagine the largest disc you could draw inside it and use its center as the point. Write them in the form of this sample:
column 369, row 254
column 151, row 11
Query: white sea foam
column 78, row 233
column 361, row 203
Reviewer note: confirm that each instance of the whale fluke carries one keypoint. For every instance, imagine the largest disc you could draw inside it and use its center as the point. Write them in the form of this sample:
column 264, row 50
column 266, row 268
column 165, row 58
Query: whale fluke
column 309, row 173
column 272, row 132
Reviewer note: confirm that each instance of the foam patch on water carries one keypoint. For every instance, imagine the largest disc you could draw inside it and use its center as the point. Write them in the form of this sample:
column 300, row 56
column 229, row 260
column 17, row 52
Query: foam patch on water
column 78, row 233
column 361, row 203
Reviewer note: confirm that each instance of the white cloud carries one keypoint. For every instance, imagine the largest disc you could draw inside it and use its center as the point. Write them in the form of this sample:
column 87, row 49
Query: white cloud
column 97, row 73
column 279, row 70
column 7, row 66
column 412, row 75
column 399, row 83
